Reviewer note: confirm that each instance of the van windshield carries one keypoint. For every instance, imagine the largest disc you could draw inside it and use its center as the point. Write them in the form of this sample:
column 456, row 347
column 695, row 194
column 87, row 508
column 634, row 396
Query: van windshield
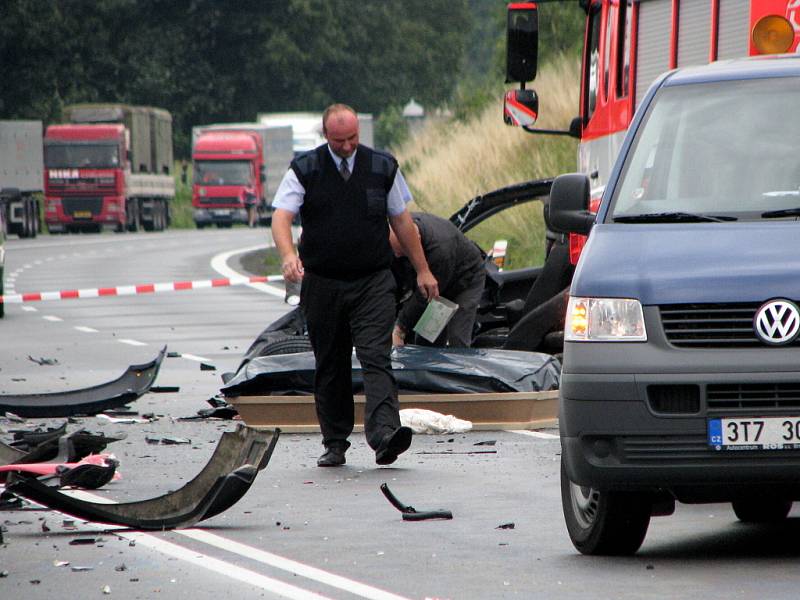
column 726, row 150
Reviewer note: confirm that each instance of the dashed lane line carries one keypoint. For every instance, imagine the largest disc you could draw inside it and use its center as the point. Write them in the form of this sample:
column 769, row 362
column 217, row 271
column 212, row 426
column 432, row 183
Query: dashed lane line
column 52, row 318
column 85, row 329
column 131, row 342
column 195, row 358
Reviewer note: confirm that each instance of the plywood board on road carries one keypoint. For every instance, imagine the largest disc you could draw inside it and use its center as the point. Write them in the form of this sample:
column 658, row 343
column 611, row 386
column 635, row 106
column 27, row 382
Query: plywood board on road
column 486, row 411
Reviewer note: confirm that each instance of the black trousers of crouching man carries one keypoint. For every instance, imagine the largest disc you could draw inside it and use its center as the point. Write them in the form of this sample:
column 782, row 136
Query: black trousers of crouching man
column 342, row 314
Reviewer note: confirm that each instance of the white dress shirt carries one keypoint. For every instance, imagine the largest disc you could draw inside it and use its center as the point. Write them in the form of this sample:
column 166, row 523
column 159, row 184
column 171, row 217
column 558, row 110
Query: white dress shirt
column 290, row 193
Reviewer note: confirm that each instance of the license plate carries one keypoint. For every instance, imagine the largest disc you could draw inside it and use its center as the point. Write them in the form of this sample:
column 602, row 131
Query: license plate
column 754, row 433
column 82, row 214
column 222, row 212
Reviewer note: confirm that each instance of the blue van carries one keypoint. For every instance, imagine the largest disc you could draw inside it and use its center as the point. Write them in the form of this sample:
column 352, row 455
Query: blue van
column 681, row 370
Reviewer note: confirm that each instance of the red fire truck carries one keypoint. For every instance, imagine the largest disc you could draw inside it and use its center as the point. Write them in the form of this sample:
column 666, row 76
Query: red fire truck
column 627, row 45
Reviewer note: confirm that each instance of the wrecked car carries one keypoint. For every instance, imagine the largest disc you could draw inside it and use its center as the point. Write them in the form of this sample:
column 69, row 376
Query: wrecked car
column 521, row 309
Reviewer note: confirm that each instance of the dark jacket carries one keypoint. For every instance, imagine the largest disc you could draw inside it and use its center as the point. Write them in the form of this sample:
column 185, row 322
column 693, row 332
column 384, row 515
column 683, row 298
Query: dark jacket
column 455, row 261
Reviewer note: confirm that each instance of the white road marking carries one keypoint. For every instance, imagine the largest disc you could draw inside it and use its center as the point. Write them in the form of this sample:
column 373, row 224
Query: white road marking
column 195, row 357
column 536, row 434
column 220, row 264
column 222, row 567
column 52, row 318
column 85, row 329
column 131, row 342
column 235, row 572
column 30, row 309
column 292, row 566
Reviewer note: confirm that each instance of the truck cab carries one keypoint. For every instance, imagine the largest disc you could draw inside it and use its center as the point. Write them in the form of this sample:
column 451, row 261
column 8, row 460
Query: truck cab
column 84, row 176
column 680, row 377
column 228, row 178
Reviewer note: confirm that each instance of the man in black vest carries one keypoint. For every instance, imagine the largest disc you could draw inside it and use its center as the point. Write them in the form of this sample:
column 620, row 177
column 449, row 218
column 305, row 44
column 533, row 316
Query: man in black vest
column 345, row 192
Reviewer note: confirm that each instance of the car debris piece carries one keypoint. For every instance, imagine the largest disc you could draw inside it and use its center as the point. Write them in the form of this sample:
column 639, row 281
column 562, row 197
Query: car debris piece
column 24, row 439
column 42, row 361
column 64, row 448
column 13, row 417
column 87, row 476
column 63, row 469
column 412, row 514
column 165, row 389
column 227, row 476
column 132, row 384
column 167, row 440
column 207, row 367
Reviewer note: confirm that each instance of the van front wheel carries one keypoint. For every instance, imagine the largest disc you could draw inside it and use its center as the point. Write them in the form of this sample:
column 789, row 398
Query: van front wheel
column 604, row 522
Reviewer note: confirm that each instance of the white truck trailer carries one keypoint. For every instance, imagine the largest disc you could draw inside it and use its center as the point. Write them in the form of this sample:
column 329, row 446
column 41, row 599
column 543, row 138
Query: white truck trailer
column 307, row 128
column 21, row 176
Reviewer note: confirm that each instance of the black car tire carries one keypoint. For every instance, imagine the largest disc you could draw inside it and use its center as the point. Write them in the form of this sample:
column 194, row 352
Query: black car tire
column 761, row 510
column 603, row 522
column 291, row 344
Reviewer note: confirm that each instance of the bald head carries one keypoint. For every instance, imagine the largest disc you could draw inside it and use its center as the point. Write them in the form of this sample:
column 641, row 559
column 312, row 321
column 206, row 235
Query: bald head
column 340, row 126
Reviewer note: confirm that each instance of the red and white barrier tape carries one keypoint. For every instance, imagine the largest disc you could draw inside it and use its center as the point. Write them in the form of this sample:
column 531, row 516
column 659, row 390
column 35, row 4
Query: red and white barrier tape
column 131, row 290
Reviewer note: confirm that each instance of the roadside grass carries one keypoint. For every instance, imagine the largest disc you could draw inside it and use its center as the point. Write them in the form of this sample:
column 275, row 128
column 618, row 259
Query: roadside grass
column 447, row 164
column 181, row 210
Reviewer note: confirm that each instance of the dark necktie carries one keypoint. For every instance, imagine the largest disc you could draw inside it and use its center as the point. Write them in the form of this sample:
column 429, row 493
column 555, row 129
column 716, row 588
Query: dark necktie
column 344, row 170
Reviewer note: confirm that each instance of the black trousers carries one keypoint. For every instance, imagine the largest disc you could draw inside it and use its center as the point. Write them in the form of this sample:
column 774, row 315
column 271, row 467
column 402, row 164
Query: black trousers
column 341, row 315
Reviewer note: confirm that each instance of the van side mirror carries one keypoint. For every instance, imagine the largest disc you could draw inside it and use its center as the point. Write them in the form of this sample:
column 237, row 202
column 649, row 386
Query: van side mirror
column 520, row 108
column 569, row 204
column 522, row 42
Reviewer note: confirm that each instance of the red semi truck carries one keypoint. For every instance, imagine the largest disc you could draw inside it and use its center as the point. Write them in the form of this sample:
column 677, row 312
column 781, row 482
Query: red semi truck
column 628, row 44
column 237, row 169
column 109, row 167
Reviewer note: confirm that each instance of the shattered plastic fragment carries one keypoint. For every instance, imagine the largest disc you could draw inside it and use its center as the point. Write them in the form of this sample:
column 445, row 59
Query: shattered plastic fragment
column 134, row 382
column 42, row 361
column 223, row 481
column 412, row 514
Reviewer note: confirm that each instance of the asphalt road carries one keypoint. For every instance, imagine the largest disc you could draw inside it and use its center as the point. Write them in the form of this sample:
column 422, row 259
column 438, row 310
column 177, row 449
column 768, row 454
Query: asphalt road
column 301, row 531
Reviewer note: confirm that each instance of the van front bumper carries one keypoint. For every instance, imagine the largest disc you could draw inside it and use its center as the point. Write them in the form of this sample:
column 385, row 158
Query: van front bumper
column 617, row 431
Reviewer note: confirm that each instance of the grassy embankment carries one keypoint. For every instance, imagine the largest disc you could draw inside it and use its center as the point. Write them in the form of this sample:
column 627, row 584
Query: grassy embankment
column 448, row 164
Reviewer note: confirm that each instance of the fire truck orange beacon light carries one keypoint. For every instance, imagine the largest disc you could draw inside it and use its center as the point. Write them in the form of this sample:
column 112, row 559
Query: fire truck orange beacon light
column 773, row 34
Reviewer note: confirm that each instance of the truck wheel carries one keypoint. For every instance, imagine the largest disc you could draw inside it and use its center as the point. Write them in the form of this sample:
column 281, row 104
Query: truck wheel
column 603, row 522
column 761, row 510
column 132, row 216
column 161, row 216
column 199, row 225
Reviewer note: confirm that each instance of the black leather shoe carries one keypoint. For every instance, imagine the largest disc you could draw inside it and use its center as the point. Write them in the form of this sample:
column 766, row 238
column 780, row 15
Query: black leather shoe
column 333, row 457
column 393, row 445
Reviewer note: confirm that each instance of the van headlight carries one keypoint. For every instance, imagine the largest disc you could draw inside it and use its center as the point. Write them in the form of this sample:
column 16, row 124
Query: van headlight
column 604, row 320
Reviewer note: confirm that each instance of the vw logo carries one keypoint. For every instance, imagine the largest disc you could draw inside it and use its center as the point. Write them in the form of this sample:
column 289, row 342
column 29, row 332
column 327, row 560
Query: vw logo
column 777, row 322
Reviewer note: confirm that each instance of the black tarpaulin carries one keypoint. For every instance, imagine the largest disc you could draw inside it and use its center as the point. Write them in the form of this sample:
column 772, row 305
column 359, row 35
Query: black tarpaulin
column 417, row 369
